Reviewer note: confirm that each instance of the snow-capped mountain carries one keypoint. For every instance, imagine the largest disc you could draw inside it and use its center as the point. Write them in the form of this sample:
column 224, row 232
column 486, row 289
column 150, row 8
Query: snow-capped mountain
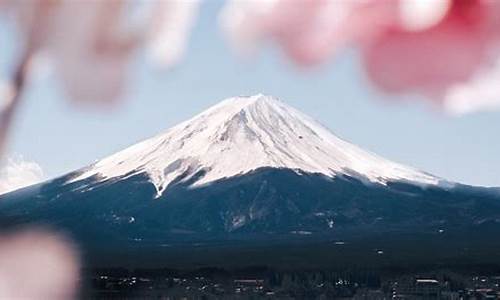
column 252, row 169
column 242, row 134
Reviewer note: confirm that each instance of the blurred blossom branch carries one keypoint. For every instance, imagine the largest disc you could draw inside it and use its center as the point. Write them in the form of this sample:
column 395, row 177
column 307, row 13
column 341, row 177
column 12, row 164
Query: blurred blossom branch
column 11, row 95
column 14, row 87
column 91, row 43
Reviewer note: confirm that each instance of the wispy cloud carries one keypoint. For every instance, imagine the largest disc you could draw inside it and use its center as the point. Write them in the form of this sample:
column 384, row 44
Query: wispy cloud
column 16, row 172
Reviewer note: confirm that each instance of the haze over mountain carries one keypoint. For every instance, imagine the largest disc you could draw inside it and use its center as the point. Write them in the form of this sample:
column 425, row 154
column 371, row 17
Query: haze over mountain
column 252, row 169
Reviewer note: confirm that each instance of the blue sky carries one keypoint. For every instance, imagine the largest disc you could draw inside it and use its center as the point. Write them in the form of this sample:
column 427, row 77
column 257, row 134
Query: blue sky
column 61, row 137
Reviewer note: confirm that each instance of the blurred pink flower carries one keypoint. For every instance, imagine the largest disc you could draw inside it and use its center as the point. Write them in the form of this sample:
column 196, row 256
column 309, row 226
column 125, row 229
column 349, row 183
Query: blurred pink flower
column 419, row 46
column 431, row 60
column 37, row 264
column 89, row 44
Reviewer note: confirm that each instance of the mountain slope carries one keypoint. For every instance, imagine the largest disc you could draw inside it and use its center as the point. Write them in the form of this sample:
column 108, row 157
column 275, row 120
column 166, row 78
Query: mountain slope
column 243, row 134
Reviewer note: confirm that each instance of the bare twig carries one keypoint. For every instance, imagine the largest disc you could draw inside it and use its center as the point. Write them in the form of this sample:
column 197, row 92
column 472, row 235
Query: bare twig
column 13, row 100
column 18, row 81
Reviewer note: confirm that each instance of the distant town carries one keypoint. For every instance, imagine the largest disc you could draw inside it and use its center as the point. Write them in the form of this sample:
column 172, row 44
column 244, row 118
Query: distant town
column 212, row 283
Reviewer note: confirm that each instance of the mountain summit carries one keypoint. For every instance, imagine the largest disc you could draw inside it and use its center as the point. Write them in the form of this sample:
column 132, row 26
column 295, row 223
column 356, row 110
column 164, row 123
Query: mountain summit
column 242, row 134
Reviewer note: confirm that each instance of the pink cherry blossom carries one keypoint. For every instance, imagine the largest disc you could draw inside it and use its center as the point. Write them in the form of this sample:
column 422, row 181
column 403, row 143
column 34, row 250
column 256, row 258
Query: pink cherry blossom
column 429, row 61
column 38, row 264
column 407, row 46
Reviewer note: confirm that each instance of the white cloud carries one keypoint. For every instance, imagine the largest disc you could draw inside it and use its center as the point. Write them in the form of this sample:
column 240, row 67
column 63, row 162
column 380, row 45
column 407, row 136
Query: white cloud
column 16, row 173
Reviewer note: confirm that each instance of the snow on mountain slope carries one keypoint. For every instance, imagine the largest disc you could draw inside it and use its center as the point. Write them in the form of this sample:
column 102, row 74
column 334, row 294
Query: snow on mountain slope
column 242, row 134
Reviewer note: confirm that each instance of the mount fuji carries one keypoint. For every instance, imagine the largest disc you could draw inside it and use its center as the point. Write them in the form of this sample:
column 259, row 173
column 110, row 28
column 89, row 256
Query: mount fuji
column 249, row 168
column 243, row 134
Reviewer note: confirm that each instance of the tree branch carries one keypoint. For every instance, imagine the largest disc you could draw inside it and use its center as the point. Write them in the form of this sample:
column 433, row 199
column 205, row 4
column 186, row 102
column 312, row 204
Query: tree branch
column 13, row 100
